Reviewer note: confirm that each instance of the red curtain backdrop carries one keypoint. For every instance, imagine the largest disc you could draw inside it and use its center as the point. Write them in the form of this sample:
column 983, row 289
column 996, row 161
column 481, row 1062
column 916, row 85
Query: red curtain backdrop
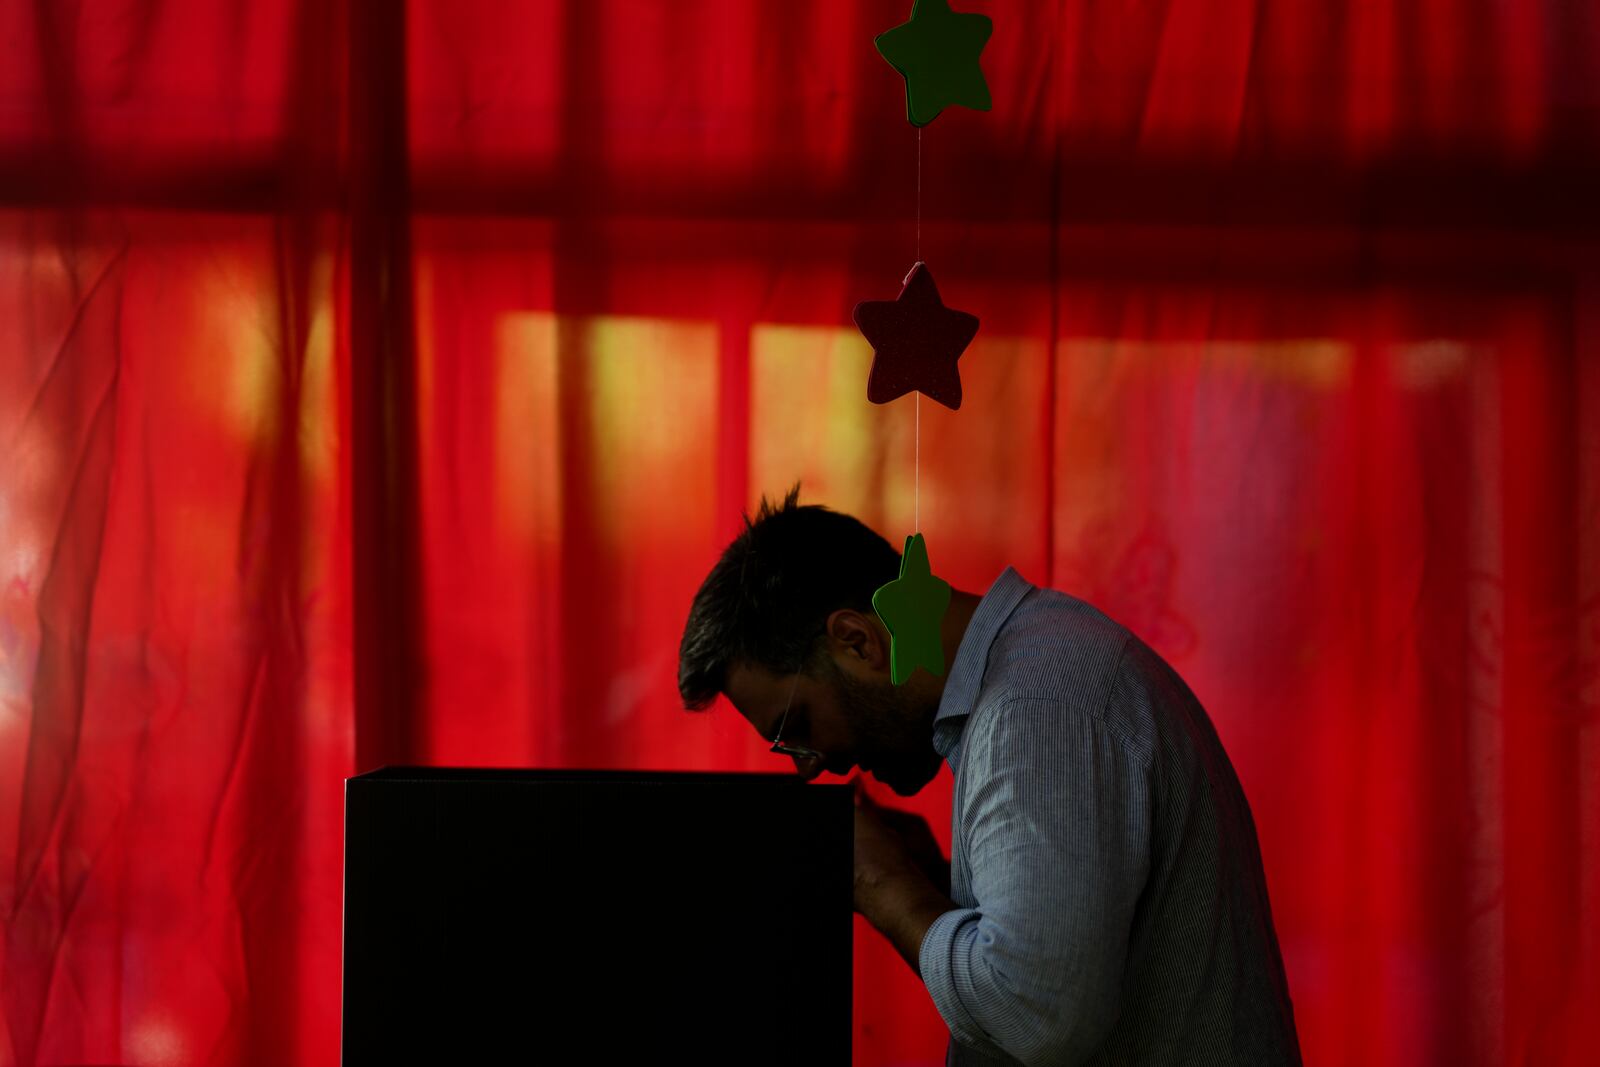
column 377, row 382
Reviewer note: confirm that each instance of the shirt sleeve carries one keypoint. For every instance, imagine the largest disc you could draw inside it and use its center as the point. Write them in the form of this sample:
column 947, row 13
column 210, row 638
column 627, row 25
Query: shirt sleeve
column 1057, row 832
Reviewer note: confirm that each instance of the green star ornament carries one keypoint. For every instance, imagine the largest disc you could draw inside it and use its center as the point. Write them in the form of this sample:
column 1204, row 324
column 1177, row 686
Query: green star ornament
column 937, row 54
column 912, row 606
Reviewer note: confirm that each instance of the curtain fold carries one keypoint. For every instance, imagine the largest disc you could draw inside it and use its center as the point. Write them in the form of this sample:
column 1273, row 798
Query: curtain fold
column 378, row 381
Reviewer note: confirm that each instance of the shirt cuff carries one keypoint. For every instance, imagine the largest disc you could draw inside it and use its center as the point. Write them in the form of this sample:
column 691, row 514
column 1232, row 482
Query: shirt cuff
column 945, row 962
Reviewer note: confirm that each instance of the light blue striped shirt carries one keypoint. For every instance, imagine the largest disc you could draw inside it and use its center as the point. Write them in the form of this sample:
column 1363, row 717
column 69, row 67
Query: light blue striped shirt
column 1111, row 902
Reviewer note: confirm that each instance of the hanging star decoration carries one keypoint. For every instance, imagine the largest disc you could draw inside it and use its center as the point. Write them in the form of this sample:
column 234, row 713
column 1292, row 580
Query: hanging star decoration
column 916, row 342
column 912, row 607
column 937, row 54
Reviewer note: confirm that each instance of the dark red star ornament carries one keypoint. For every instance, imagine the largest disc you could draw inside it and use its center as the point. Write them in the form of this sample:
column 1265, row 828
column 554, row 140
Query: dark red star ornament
column 916, row 341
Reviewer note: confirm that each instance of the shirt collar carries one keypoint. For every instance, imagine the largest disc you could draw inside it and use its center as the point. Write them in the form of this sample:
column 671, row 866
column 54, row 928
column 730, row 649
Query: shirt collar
column 972, row 656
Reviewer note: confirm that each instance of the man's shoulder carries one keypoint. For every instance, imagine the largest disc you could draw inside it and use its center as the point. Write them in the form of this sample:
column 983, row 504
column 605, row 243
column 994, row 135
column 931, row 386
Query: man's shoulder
column 1062, row 652
column 1053, row 646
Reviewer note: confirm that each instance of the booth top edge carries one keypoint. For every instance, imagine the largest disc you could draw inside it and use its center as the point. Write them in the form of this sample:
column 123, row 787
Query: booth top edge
column 547, row 775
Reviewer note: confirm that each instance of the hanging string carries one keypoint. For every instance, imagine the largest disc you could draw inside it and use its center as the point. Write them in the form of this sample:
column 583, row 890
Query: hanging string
column 916, row 483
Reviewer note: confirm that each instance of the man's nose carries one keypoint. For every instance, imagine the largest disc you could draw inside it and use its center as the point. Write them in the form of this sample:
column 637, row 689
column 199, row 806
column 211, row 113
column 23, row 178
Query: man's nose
column 807, row 767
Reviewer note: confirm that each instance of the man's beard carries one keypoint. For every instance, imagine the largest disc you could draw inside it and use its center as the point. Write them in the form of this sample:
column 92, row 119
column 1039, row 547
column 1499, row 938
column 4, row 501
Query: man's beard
column 890, row 733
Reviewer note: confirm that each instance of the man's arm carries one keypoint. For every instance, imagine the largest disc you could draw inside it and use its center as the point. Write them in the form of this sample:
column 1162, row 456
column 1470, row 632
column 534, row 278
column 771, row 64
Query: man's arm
column 891, row 890
column 1057, row 825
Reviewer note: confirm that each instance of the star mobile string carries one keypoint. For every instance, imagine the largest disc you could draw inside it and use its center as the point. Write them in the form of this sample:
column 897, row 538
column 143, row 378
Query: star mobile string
column 916, row 340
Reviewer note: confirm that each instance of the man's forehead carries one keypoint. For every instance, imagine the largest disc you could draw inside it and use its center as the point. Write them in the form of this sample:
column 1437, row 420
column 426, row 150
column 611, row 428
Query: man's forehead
column 749, row 673
column 756, row 691
column 750, row 688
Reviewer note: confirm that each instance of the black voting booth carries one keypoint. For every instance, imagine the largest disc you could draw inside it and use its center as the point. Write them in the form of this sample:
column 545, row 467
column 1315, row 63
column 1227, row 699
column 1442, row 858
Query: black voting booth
column 595, row 917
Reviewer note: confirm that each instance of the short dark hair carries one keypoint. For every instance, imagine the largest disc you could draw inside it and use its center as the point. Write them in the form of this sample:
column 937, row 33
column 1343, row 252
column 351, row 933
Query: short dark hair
column 768, row 598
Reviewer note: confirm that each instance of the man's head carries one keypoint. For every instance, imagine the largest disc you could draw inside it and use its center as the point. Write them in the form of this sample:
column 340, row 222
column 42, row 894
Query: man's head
column 788, row 608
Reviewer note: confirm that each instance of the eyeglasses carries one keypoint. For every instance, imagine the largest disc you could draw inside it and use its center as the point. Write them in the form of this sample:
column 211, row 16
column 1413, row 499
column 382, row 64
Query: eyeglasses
column 784, row 749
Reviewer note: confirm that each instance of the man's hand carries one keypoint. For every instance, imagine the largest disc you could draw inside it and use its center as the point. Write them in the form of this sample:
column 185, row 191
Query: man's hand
column 916, row 839
column 892, row 888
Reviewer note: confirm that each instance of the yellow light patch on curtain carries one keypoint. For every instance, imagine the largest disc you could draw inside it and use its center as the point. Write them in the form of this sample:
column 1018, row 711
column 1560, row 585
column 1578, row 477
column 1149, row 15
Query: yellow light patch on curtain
column 250, row 387
column 317, row 435
column 1315, row 363
column 527, row 474
column 233, row 348
column 986, row 468
column 810, row 420
column 1429, row 364
column 978, row 489
column 650, row 389
column 319, row 416
column 652, row 406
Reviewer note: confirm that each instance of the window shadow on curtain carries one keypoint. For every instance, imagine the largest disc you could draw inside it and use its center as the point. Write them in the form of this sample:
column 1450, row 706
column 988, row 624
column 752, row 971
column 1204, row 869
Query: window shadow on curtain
column 377, row 382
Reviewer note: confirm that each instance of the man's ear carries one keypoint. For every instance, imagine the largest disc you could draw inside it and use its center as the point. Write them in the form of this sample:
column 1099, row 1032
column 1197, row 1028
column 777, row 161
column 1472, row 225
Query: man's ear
column 859, row 638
